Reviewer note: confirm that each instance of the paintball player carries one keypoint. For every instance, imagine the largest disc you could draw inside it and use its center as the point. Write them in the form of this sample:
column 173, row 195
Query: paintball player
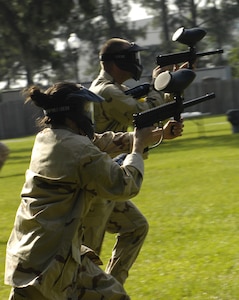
column 46, row 258
column 120, row 61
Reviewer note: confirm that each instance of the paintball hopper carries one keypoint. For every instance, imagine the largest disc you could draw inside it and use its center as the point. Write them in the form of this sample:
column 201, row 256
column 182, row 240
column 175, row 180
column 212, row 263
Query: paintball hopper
column 189, row 36
column 174, row 82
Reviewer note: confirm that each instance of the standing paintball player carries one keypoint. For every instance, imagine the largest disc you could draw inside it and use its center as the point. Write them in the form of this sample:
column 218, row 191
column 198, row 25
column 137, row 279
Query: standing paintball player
column 120, row 61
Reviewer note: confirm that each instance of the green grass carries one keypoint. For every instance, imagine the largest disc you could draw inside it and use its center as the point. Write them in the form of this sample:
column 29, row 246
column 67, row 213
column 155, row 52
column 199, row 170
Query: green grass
column 190, row 198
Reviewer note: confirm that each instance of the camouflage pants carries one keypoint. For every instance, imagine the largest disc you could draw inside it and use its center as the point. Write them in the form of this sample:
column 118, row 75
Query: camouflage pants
column 4, row 152
column 91, row 283
column 123, row 219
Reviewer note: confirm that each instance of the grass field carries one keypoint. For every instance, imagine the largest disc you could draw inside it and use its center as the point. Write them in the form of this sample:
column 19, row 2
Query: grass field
column 190, row 197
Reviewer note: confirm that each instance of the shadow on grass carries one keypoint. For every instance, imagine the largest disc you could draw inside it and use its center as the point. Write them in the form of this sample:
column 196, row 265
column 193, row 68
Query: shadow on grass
column 18, row 159
column 21, row 156
column 12, row 175
column 4, row 243
column 19, row 150
column 187, row 143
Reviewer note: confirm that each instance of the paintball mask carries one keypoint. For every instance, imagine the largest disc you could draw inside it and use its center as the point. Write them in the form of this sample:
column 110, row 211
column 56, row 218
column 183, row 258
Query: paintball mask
column 128, row 60
column 77, row 106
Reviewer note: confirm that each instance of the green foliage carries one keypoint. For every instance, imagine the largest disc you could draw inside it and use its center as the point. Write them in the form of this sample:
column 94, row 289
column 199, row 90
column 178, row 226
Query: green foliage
column 213, row 16
column 27, row 28
column 88, row 7
column 30, row 27
column 107, row 19
column 189, row 197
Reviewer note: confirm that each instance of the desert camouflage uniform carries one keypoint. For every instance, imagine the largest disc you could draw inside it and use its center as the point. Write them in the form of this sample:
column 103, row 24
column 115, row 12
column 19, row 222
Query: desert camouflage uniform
column 45, row 257
column 116, row 112
column 121, row 218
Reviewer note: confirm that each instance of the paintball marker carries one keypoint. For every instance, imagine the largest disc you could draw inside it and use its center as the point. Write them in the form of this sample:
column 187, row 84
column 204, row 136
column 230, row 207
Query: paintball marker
column 157, row 114
column 138, row 91
column 188, row 37
column 174, row 83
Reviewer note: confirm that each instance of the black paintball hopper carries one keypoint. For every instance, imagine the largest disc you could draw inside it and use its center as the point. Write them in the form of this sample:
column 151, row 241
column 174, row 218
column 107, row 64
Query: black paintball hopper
column 174, row 82
column 189, row 36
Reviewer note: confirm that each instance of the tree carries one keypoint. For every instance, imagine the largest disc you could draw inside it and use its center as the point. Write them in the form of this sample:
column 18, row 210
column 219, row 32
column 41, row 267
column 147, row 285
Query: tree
column 160, row 10
column 211, row 15
column 103, row 19
column 187, row 12
column 27, row 27
column 30, row 29
column 217, row 17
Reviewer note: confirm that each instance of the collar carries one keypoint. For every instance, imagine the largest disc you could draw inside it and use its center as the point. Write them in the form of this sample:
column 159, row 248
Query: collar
column 106, row 75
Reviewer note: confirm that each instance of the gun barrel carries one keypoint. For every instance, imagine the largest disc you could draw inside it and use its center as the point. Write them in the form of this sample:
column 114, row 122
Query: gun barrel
column 180, row 57
column 198, row 100
column 218, row 51
column 154, row 115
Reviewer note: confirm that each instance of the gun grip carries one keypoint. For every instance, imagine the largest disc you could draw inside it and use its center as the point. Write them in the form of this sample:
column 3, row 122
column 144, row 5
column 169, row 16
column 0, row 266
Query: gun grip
column 172, row 130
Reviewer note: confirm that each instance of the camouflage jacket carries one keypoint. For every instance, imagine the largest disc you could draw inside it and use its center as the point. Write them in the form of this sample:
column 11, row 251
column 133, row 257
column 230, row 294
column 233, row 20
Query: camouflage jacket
column 67, row 171
column 116, row 112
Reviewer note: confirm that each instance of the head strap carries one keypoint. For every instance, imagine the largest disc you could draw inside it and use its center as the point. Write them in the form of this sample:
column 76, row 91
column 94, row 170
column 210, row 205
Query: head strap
column 69, row 101
column 123, row 54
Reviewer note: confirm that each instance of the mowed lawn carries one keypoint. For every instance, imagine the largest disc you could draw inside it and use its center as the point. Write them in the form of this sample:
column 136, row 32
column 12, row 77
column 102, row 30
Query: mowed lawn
column 190, row 196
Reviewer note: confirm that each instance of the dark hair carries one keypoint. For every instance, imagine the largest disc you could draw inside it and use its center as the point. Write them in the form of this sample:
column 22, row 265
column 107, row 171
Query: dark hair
column 114, row 45
column 54, row 97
